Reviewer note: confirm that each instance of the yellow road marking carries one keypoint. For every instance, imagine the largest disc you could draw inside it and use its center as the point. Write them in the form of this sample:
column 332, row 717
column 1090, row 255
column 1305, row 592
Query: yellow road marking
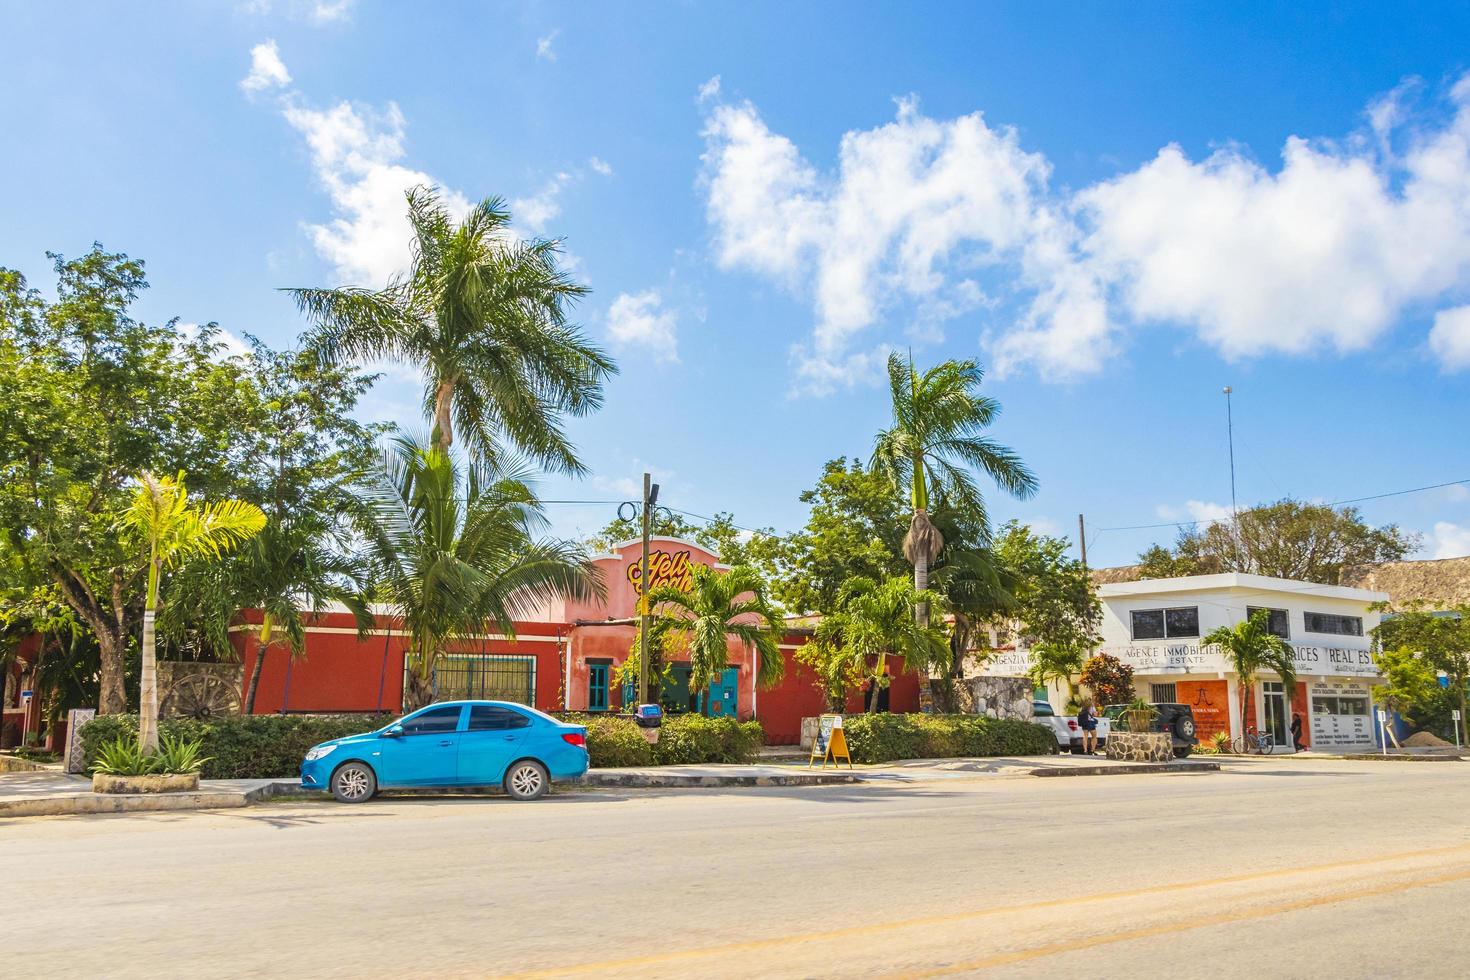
column 1184, row 925
column 775, row 942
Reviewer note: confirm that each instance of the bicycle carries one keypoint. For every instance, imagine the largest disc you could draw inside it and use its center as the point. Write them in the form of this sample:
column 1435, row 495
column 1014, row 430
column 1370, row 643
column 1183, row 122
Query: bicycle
column 1253, row 742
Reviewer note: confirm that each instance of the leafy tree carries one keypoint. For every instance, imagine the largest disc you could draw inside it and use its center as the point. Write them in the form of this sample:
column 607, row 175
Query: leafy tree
column 91, row 398
column 303, row 450
column 1252, row 647
column 1109, row 679
column 456, row 548
column 1056, row 603
column 171, row 530
column 1440, row 638
column 1287, row 539
column 484, row 315
column 718, row 605
column 871, row 623
column 665, row 524
column 1408, row 683
column 1057, row 662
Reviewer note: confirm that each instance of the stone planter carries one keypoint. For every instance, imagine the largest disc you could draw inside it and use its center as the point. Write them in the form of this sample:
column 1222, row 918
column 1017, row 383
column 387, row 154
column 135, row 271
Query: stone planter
column 809, row 733
column 1140, row 746
column 180, row 782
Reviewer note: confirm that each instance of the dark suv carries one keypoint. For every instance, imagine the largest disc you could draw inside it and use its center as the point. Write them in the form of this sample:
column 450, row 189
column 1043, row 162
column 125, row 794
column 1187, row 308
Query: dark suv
column 1175, row 719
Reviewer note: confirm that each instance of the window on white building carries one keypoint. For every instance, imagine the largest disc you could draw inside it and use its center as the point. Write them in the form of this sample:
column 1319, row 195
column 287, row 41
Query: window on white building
column 1161, row 624
column 1335, row 624
column 1278, row 621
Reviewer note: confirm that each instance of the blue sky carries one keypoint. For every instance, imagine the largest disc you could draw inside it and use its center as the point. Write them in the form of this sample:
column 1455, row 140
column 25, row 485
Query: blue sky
column 1117, row 208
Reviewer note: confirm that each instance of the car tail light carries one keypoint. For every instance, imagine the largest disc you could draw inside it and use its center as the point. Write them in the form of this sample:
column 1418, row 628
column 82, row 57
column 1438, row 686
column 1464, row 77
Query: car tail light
column 1072, row 724
column 575, row 738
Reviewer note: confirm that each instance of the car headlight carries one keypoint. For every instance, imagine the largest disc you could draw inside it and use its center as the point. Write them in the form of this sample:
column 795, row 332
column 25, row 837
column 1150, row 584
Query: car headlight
column 319, row 752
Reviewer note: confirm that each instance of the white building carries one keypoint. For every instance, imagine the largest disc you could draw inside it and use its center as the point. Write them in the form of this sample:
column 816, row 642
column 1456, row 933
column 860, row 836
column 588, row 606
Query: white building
column 1155, row 626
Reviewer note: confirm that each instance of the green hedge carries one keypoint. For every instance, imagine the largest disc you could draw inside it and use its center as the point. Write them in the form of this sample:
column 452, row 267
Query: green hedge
column 614, row 741
column 886, row 737
column 241, row 746
column 272, row 746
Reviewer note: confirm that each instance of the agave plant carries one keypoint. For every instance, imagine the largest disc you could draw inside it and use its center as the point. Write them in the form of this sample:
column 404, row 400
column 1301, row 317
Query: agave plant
column 123, row 756
column 180, row 755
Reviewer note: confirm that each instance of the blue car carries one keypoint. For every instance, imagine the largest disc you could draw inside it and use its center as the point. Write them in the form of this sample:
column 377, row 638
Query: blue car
column 457, row 743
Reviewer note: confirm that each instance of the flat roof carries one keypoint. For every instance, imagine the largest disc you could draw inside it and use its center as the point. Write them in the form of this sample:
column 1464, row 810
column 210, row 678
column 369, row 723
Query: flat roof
column 1237, row 582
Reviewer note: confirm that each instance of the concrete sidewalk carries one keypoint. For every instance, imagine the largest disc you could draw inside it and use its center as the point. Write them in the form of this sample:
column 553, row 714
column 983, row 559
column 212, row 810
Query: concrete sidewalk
column 925, row 770
column 35, row 794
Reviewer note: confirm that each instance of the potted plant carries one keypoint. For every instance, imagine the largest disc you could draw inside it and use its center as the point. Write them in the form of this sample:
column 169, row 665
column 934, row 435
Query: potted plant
column 123, row 767
column 1139, row 716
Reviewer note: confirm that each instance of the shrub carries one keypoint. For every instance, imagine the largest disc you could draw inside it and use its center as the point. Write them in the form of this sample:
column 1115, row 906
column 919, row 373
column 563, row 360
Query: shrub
column 614, row 742
column 885, row 737
column 690, row 739
column 123, row 756
column 238, row 746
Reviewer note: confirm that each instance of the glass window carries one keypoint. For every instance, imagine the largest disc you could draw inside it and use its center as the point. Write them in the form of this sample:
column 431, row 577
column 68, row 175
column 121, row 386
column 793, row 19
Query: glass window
column 1042, row 709
column 493, row 718
column 1182, row 622
column 1148, row 624
column 445, row 719
column 1278, row 622
column 1352, row 706
column 1163, row 693
column 1335, row 624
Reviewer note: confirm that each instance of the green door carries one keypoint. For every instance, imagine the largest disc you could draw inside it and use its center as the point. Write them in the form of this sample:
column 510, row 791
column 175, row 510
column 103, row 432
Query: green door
column 724, row 694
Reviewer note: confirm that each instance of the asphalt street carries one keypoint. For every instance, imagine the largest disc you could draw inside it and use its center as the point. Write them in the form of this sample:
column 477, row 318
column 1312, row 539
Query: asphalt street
column 1273, row 867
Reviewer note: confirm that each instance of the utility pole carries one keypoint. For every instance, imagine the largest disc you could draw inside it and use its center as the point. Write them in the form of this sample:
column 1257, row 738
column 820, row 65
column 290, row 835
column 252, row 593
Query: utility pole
column 650, row 494
column 1234, row 512
column 1082, row 539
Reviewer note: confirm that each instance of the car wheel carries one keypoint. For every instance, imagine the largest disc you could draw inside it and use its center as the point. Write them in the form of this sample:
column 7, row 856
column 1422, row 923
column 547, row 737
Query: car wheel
column 1182, row 753
column 354, row 782
column 527, row 780
column 1184, row 727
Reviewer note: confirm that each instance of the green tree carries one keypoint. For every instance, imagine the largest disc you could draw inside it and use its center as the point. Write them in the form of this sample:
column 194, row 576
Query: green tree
column 1056, row 603
column 665, row 523
column 456, row 548
column 873, row 622
column 936, row 437
column 1058, row 662
column 91, row 398
column 1441, row 638
column 171, row 529
column 1251, row 647
column 1108, row 678
column 718, row 606
column 1408, row 683
column 1286, row 539
column 484, row 315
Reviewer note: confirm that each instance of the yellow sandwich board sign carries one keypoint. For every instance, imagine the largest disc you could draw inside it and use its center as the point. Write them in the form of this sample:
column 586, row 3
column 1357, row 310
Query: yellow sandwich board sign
column 831, row 743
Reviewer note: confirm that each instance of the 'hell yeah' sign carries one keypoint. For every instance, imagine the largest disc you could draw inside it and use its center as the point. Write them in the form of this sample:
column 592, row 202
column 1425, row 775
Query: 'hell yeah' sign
column 664, row 568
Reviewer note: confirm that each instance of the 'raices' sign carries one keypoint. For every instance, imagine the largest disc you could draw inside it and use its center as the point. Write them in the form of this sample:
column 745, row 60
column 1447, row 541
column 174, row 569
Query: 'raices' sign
column 673, row 568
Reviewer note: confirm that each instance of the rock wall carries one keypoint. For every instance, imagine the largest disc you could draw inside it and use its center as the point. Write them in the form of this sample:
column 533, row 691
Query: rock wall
column 996, row 697
column 1140, row 746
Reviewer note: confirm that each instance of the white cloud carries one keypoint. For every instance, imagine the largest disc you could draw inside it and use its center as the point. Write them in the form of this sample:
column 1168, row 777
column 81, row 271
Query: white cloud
column 1199, row 511
column 1449, row 338
column 630, row 486
column 229, row 346
column 354, row 151
column 600, row 166
column 710, row 89
column 1448, row 540
column 922, row 217
column 544, row 50
column 267, row 70
column 536, row 211
column 638, row 320
column 329, row 11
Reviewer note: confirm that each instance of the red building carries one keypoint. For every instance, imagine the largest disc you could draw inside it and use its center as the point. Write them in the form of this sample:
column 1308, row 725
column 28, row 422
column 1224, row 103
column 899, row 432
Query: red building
column 565, row 657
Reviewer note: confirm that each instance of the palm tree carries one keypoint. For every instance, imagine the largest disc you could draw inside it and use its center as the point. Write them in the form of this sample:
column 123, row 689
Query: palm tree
column 717, row 606
column 877, row 621
column 1058, row 662
column 454, row 548
column 485, row 315
column 286, row 570
column 1252, row 647
column 161, row 515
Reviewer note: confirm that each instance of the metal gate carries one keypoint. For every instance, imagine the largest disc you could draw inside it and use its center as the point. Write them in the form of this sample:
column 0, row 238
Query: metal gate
column 485, row 676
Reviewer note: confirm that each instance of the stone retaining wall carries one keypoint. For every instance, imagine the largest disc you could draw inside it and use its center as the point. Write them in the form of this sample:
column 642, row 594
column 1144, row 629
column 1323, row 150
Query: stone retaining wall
column 1140, row 746
column 996, row 697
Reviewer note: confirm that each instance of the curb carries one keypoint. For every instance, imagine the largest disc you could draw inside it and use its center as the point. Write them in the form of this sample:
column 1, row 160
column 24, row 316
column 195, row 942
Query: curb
column 1380, row 757
column 645, row 780
column 86, row 803
column 1129, row 770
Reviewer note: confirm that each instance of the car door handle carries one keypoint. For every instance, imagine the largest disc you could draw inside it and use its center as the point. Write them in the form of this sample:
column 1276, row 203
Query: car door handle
column 509, row 738
column 447, row 741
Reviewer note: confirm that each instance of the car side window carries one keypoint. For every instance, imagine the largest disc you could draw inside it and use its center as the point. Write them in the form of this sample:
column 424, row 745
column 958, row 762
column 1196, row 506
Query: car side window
column 435, row 720
column 1043, row 710
column 491, row 718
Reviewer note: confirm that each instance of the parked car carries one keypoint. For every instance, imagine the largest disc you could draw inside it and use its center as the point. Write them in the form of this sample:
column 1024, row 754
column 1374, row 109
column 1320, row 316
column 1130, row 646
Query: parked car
column 1175, row 719
column 457, row 743
column 1068, row 733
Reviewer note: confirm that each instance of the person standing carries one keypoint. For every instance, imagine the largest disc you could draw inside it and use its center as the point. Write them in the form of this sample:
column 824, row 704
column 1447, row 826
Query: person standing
column 1087, row 721
column 1296, row 733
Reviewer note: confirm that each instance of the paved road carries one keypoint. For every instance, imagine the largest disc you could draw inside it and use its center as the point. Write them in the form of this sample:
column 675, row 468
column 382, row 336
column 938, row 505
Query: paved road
column 1274, row 867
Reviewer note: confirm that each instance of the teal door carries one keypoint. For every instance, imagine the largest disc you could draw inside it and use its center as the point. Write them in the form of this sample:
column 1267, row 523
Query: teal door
column 724, row 694
column 597, row 685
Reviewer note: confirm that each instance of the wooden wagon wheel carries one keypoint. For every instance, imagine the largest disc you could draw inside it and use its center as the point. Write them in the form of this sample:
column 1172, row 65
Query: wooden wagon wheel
column 205, row 694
